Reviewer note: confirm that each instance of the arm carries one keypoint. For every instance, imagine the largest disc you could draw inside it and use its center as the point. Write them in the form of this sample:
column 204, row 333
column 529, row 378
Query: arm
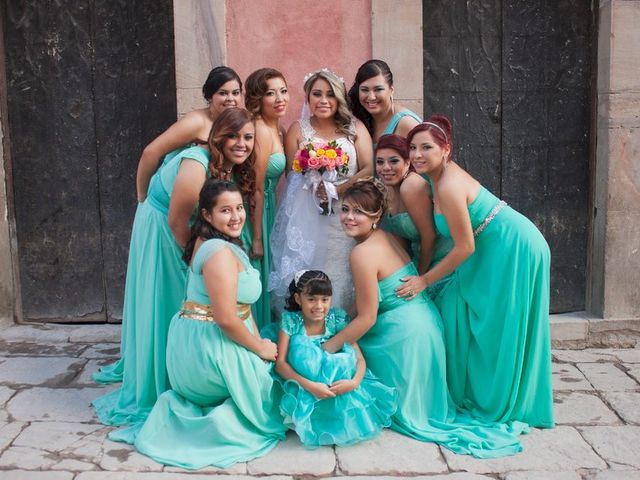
column 364, row 155
column 413, row 192
column 181, row 133
column 317, row 389
column 405, row 125
column 220, row 273
column 344, row 386
column 453, row 202
column 365, row 279
column 184, row 198
column 262, row 149
column 291, row 143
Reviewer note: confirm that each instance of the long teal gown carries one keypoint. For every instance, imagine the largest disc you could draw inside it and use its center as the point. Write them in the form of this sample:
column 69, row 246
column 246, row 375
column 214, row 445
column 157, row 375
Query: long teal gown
column 349, row 418
column 496, row 319
column 401, row 225
column 405, row 349
column 223, row 406
column 262, row 308
column 154, row 290
column 393, row 123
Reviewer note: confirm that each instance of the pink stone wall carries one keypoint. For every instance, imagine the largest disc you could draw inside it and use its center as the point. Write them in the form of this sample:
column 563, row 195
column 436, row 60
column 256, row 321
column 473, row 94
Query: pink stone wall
column 298, row 37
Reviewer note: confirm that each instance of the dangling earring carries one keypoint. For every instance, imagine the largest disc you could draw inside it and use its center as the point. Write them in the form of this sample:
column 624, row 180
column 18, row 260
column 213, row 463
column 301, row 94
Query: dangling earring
column 374, row 226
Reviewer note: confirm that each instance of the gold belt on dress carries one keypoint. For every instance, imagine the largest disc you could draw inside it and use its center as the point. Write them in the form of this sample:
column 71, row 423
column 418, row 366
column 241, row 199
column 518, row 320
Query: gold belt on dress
column 200, row 311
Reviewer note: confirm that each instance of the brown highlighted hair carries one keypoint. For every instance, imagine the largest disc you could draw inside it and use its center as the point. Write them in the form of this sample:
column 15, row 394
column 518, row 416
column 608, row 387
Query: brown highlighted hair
column 256, row 86
column 370, row 195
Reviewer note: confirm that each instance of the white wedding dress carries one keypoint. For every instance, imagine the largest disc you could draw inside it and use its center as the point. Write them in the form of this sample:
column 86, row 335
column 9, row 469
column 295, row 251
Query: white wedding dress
column 303, row 239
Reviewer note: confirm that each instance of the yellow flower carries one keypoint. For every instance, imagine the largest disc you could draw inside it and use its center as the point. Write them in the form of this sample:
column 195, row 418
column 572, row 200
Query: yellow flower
column 296, row 166
column 331, row 153
column 345, row 158
column 320, row 152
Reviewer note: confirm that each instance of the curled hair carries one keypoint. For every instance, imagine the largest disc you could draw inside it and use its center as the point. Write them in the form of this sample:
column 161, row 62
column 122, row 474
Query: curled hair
column 230, row 122
column 218, row 77
column 345, row 121
column 393, row 142
column 209, row 194
column 311, row 282
column 370, row 195
column 369, row 69
column 438, row 126
column 256, row 87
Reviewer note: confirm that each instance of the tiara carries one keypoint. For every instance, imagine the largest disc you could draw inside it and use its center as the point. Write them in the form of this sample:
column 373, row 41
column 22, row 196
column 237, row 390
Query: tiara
column 325, row 70
column 446, row 139
column 297, row 276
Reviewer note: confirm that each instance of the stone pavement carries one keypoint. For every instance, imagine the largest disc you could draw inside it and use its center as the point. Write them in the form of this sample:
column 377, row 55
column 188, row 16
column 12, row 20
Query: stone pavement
column 49, row 432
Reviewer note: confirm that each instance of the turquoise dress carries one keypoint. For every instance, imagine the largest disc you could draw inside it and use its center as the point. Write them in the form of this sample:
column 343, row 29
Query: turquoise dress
column 275, row 168
column 401, row 225
column 496, row 319
column 405, row 349
column 223, row 406
column 393, row 123
column 154, row 290
column 346, row 419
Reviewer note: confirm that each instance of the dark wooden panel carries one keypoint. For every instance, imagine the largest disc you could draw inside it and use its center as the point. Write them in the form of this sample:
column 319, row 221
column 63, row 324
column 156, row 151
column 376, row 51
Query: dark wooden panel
column 135, row 97
column 51, row 118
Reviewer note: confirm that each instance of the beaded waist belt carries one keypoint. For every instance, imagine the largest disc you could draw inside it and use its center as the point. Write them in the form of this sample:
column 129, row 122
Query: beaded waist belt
column 494, row 211
column 200, row 311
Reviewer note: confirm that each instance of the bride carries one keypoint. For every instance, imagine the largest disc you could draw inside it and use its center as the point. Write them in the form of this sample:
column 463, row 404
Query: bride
column 307, row 233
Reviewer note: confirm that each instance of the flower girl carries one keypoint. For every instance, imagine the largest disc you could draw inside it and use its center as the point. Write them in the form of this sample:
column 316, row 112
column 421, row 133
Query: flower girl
column 329, row 399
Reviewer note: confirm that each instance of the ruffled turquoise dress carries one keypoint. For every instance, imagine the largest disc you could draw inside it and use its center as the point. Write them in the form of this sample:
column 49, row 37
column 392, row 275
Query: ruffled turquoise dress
column 154, row 290
column 402, row 225
column 223, row 406
column 405, row 349
column 275, row 168
column 393, row 123
column 496, row 319
column 349, row 418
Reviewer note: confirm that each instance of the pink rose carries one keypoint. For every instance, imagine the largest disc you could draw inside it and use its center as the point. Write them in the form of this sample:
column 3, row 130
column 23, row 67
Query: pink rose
column 314, row 163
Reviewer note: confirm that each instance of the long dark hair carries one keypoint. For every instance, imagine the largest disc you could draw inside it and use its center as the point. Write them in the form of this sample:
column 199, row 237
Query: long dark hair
column 369, row 69
column 218, row 77
column 209, row 194
column 231, row 121
column 311, row 282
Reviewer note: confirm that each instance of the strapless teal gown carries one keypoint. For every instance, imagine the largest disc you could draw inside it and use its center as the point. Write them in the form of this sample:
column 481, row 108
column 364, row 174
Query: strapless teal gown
column 154, row 290
column 393, row 123
column 496, row 319
column 262, row 308
column 349, row 418
column 405, row 349
column 402, row 225
column 223, row 406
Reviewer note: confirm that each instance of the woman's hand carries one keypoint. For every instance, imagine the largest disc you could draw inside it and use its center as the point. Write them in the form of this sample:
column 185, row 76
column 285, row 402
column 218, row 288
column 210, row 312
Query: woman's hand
column 343, row 386
column 267, row 350
column 257, row 250
column 320, row 390
column 412, row 286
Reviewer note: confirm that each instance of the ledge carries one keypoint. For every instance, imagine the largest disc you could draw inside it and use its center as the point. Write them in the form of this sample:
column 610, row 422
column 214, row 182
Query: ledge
column 581, row 330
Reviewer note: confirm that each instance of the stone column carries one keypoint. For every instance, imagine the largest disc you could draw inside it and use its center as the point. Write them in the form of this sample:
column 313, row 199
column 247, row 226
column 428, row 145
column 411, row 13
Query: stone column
column 614, row 283
column 396, row 37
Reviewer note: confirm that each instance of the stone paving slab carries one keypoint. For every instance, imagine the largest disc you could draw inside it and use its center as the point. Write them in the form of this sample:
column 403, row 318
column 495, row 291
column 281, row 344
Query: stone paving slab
column 168, row 476
column 390, row 453
column 557, row 449
column 585, row 356
column 538, row 475
column 105, row 333
column 53, row 371
column 40, row 349
column 607, row 377
column 102, row 350
column 615, row 475
column 54, row 404
column 237, row 469
column 290, row 458
column 25, row 475
column 35, row 459
column 8, row 433
column 626, row 404
column 582, row 408
column 40, row 333
column 619, row 446
column 568, row 377
column 628, row 355
column 5, row 394
column 123, row 457
column 633, row 369
column 449, row 476
column 92, row 366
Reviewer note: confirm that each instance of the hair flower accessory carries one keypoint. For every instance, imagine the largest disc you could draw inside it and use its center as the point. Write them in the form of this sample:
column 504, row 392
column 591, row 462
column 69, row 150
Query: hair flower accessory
column 322, row 70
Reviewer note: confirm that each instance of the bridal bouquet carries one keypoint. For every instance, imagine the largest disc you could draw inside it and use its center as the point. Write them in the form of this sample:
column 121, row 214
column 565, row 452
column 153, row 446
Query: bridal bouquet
column 321, row 163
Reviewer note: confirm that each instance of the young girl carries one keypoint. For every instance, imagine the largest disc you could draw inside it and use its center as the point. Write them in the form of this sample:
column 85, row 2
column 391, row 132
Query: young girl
column 329, row 399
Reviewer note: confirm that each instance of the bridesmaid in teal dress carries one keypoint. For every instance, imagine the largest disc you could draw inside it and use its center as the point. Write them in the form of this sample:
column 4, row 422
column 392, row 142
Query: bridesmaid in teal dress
column 402, row 340
column 496, row 307
column 267, row 97
column 221, row 90
column 371, row 100
column 410, row 215
column 156, row 276
column 223, row 405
